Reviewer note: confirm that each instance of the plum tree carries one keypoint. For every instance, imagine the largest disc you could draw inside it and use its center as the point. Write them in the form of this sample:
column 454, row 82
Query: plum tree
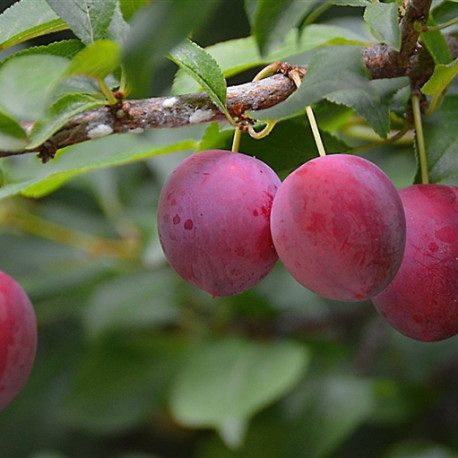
column 214, row 221
column 18, row 338
column 339, row 228
column 422, row 300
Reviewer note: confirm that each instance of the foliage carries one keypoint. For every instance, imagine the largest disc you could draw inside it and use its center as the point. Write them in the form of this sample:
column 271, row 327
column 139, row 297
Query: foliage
column 133, row 362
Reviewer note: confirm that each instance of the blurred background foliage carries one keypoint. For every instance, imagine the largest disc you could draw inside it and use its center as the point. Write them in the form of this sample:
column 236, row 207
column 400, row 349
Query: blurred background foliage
column 133, row 362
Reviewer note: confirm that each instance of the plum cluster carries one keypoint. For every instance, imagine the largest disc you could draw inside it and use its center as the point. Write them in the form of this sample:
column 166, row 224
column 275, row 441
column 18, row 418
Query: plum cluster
column 337, row 223
column 18, row 339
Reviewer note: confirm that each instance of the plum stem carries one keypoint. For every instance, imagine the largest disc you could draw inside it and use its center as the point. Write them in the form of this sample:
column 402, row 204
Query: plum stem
column 236, row 140
column 420, row 139
column 294, row 75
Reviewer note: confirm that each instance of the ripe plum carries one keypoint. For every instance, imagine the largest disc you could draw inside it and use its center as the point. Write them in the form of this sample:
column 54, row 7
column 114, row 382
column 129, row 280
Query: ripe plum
column 422, row 300
column 214, row 221
column 338, row 227
column 18, row 339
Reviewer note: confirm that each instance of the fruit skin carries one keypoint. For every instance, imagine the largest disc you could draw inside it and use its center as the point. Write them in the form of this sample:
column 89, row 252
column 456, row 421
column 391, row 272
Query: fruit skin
column 422, row 300
column 339, row 228
column 214, row 221
column 18, row 339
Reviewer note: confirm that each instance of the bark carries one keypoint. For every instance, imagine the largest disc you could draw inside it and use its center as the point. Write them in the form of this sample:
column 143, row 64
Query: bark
column 134, row 116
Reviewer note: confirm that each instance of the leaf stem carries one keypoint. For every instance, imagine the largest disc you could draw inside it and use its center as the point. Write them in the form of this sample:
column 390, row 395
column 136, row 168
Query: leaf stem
column 264, row 132
column 316, row 13
column 112, row 100
column 435, row 28
column 420, row 139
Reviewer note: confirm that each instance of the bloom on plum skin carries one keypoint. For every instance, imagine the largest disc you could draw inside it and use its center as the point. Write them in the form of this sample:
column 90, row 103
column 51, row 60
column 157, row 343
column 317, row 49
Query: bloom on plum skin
column 214, row 221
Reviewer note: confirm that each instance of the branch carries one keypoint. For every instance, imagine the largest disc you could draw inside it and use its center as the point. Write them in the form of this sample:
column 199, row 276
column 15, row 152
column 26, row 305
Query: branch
column 134, row 116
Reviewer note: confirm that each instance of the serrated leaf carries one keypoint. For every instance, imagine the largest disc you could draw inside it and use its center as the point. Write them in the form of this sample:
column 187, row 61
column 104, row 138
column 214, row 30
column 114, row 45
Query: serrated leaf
column 26, row 83
column 27, row 19
column 373, row 105
column 160, row 27
column 203, row 68
column 224, row 383
column 110, row 151
column 96, row 60
column 236, row 56
column 89, row 20
column 272, row 20
column 436, row 44
column 382, row 19
column 59, row 113
column 289, row 145
column 12, row 135
column 331, row 69
column 441, row 143
column 440, row 80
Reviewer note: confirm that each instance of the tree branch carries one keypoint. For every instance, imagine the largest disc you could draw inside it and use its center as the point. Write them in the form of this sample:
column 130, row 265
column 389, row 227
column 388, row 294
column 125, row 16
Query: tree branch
column 134, row 116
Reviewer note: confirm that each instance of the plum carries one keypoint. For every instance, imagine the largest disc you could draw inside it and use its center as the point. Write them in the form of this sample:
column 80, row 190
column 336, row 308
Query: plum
column 338, row 226
column 214, row 221
column 422, row 300
column 18, row 339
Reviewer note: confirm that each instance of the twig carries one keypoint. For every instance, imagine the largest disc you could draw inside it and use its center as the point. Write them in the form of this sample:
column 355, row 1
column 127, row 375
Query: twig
column 134, row 116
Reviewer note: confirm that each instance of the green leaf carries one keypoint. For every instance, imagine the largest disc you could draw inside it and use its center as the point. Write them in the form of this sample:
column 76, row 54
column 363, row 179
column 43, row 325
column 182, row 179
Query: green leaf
column 25, row 93
column 236, row 56
column 204, row 69
column 154, row 32
column 224, row 383
column 420, row 448
column 12, row 135
column 382, row 19
column 89, row 20
column 326, row 411
column 27, row 19
column 441, row 143
column 64, row 48
column 130, row 7
column 136, row 301
column 440, row 80
column 331, row 69
column 96, row 60
column 361, row 3
column 272, row 20
column 436, row 44
column 59, row 113
column 373, row 105
column 37, row 180
column 119, row 382
column 289, row 145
